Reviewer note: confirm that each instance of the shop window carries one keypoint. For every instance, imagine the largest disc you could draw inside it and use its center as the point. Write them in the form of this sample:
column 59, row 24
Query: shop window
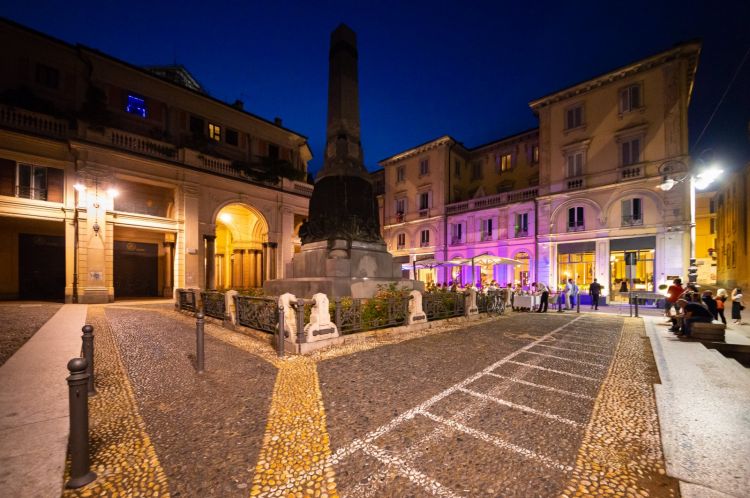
column 578, row 266
column 643, row 272
column 632, row 212
column 575, row 219
column 136, row 105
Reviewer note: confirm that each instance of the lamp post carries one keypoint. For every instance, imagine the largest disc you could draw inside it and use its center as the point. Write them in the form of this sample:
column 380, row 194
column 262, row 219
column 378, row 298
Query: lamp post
column 699, row 181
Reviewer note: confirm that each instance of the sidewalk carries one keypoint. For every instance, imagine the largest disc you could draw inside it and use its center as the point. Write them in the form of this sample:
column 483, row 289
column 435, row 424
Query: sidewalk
column 34, row 407
column 703, row 403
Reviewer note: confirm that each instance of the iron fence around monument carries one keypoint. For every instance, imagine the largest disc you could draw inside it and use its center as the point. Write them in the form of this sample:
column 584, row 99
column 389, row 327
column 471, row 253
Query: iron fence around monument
column 214, row 304
column 357, row 315
column 440, row 305
column 259, row 313
column 186, row 300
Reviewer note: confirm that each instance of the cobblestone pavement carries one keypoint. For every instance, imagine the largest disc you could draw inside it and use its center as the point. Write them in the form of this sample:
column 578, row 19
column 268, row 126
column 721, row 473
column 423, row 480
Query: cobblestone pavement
column 526, row 405
column 20, row 322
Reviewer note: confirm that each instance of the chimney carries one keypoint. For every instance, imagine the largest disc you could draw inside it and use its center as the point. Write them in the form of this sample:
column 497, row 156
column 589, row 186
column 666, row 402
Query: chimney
column 238, row 104
column 277, row 121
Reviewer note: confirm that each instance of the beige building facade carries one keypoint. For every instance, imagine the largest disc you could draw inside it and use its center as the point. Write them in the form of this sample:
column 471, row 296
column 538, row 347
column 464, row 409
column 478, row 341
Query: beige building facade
column 733, row 230
column 117, row 181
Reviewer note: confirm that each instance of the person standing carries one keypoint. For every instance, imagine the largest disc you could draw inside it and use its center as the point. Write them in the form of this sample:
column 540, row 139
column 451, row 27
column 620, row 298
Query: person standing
column 710, row 302
column 673, row 294
column 737, row 306
column 595, row 290
column 544, row 300
column 721, row 298
column 568, row 293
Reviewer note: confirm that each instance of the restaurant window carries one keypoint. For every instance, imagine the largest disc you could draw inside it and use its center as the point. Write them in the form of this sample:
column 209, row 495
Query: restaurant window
column 579, row 266
column 521, row 272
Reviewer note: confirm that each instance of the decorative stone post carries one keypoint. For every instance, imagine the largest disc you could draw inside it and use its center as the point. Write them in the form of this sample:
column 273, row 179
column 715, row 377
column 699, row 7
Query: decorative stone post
column 320, row 327
column 230, row 308
column 290, row 321
column 471, row 302
column 416, row 313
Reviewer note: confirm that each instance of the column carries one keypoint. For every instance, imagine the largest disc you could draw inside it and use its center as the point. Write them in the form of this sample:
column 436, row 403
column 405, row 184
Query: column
column 236, row 268
column 210, row 261
column 258, row 268
column 168, row 269
column 248, row 279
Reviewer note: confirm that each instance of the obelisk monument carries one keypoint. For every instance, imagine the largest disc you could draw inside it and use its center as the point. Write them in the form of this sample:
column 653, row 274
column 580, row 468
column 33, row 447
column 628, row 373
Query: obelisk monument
column 343, row 253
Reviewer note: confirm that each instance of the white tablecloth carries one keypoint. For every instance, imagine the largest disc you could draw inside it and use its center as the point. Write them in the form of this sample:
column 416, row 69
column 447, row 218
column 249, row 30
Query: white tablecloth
column 525, row 302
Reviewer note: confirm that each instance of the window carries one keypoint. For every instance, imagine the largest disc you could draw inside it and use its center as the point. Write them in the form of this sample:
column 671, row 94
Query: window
column 400, row 206
column 47, row 76
column 424, row 167
column 713, row 226
column 574, row 117
column 575, row 164
column 136, row 105
column 522, row 224
column 232, row 137
column 424, row 238
column 401, row 241
column 487, row 229
column 457, row 233
column 424, row 200
column 273, row 151
column 503, row 162
column 457, row 169
column 630, row 151
column 632, row 212
column 712, row 206
column 214, row 132
column 476, row 170
column 400, row 174
column 575, row 219
column 197, row 125
column 38, row 182
column 534, row 154
column 630, row 98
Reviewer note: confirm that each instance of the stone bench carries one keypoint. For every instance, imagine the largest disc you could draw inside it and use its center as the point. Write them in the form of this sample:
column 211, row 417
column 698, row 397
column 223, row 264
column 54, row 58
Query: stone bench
column 708, row 331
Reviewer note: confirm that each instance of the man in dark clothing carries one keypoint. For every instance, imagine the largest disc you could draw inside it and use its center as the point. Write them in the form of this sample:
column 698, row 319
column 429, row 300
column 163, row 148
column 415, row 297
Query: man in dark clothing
column 543, row 301
column 710, row 302
column 694, row 312
column 595, row 290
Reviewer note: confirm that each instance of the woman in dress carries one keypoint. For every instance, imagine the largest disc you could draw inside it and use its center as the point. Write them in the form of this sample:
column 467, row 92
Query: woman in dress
column 737, row 305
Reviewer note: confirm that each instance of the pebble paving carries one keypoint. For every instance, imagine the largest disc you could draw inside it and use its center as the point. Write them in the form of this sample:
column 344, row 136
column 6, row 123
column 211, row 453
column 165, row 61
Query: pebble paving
column 20, row 322
column 526, row 405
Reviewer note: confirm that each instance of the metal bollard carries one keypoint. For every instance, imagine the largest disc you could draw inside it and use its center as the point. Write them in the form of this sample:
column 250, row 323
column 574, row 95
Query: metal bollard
column 578, row 303
column 630, row 303
column 281, row 333
column 559, row 303
column 80, row 473
column 87, row 340
column 200, row 354
column 636, row 305
column 301, row 337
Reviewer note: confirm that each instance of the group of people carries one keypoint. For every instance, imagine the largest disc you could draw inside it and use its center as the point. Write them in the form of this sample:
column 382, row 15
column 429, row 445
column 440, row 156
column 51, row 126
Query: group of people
column 692, row 306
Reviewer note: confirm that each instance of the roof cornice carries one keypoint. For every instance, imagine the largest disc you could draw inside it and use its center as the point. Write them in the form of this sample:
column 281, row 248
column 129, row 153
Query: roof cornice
column 419, row 149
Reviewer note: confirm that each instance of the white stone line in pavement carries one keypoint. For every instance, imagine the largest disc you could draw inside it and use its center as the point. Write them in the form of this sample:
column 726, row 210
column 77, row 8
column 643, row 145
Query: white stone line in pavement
column 575, row 350
column 540, row 386
column 554, row 371
column 522, row 408
column 359, row 443
column 408, row 471
column 370, row 485
column 488, row 438
column 587, row 344
column 597, row 365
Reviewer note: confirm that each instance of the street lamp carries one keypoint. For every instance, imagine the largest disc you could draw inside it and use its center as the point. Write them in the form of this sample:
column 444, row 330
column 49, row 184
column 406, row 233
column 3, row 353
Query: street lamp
column 700, row 181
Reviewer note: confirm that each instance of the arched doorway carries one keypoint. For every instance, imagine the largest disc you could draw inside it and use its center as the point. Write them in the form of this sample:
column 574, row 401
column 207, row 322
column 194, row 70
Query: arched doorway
column 521, row 275
column 241, row 248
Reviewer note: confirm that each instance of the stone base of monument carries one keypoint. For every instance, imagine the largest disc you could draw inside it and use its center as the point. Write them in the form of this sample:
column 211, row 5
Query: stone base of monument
column 340, row 268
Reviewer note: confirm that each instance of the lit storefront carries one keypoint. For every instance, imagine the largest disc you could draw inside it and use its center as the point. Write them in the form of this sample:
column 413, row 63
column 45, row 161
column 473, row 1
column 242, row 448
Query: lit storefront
column 521, row 273
column 643, row 278
column 576, row 261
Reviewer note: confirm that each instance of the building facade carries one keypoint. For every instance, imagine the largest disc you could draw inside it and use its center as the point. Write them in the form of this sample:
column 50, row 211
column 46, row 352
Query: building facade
column 579, row 197
column 119, row 181
column 732, row 230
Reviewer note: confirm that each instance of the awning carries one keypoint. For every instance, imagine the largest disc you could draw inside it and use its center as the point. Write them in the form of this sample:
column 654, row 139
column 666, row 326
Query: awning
column 488, row 259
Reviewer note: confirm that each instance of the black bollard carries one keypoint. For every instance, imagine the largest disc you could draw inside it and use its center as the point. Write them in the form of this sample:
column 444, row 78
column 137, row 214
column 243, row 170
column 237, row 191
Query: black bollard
column 87, row 339
column 559, row 303
column 280, row 335
column 636, row 305
column 80, row 473
column 200, row 356
column 578, row 303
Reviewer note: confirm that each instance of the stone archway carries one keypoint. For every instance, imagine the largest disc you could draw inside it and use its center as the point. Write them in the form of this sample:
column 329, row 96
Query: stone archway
column 240, row 248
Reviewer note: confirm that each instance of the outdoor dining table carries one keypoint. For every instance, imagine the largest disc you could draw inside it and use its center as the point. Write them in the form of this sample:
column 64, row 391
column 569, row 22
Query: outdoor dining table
column 525, row 302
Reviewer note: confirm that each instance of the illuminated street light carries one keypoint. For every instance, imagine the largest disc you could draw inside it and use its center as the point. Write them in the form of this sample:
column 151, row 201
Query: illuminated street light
column 113, row 192
column 79, row 187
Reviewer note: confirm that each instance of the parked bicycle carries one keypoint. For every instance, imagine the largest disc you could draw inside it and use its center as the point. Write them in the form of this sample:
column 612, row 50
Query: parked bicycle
column 497, row 303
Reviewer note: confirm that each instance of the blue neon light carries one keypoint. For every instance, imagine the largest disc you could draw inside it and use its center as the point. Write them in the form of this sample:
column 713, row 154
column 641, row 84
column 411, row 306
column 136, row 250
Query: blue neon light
column 136, row 105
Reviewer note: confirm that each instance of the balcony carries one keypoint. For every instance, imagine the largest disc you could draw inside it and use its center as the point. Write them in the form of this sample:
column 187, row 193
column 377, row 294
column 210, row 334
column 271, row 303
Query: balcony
column 492, row 201
column 574, row 183
column 457, row 241
column 576, row 228
column 424, row 243
column 632, row 221
column 424, row 213
column 42, row 124
column 521, row 233
column 631, row 172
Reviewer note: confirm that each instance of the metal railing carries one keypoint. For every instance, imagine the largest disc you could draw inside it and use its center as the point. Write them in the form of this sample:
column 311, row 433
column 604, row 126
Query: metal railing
column 356, row 315
column 186, row 300
column 492, row 200
column 39, row 194
column 259, row 313
column 439, row 305
column 214, row 304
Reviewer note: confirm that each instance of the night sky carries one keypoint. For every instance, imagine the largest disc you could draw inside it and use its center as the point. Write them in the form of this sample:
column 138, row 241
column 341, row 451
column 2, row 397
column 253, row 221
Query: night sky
column 427, row 69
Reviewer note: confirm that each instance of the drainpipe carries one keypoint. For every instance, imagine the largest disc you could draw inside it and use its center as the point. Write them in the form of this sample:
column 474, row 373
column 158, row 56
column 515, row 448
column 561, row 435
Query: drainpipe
column 445, row 216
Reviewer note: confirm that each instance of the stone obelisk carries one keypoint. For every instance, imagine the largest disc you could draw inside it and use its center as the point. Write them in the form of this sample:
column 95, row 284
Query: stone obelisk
column 343, row 253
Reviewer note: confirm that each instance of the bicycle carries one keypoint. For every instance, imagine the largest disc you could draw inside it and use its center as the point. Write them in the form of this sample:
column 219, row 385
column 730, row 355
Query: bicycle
column 496, row 305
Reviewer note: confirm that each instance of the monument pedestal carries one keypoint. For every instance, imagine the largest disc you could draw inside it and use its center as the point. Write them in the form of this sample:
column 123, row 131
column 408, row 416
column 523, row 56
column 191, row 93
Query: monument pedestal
column 340, row 268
